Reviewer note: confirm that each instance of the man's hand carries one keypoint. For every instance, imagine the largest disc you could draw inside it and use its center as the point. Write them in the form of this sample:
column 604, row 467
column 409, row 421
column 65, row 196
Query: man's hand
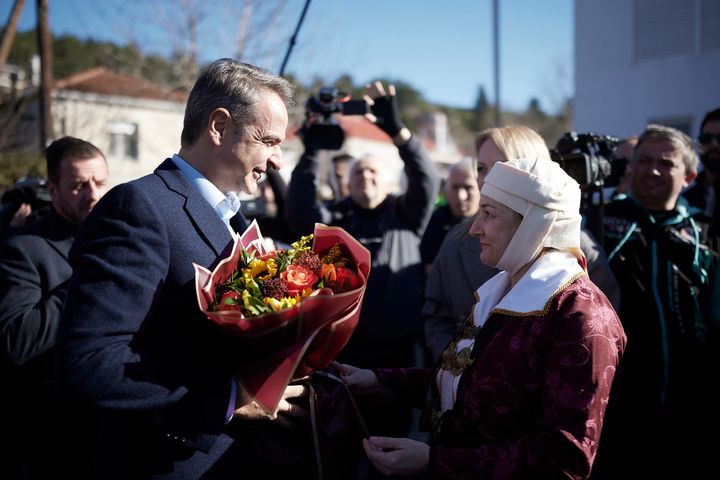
column 385, row 112
column 248, row 409
column 20, row 216
column 397, row 456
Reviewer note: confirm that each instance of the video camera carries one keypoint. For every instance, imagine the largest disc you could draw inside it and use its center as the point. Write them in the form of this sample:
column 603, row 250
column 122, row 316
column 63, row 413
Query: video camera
column 590, row 159
column 32, row 191
column 324, row 131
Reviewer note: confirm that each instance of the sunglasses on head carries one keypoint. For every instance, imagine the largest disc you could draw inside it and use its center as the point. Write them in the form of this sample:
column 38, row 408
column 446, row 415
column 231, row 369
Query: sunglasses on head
column 706, row 138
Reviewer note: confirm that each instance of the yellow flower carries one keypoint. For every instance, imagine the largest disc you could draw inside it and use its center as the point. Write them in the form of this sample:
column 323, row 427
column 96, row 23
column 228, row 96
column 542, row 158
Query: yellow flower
column 276, row 305
column 271, row 266
column 256, row 267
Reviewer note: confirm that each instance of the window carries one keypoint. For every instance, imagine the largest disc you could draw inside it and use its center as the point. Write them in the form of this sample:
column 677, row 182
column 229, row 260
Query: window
column 670, row 28
column 710, row 26
column 664, row 28
column 123, row 140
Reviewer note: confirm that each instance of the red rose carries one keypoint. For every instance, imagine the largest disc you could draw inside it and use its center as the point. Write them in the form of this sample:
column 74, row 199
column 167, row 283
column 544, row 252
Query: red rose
column 298, row 278
column 346, row 280
column 230, row 300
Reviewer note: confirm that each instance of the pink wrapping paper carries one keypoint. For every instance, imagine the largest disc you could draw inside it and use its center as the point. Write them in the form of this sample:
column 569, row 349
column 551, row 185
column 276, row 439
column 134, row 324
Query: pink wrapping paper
column 294, row 341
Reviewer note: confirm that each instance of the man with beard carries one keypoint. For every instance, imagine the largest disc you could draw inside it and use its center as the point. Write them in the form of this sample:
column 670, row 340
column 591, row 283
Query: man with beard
column 705, row 194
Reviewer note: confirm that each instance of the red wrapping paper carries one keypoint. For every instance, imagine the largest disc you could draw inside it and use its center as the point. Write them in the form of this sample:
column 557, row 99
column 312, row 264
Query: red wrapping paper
column 295, row 341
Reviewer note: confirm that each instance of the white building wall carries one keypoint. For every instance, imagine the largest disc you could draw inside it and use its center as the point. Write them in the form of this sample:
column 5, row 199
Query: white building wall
column 618, row 94
column 159, row 125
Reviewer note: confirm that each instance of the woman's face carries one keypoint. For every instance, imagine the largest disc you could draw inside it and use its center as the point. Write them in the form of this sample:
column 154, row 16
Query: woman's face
column 487, row 155
column 494, row 227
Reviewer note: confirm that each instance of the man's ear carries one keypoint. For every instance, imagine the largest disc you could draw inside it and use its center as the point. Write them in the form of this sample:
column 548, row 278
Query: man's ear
column 218, row 123
column 689, row 178
column 51, row 188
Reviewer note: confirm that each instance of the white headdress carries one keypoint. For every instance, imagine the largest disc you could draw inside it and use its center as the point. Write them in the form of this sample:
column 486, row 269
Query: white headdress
column 549, row 201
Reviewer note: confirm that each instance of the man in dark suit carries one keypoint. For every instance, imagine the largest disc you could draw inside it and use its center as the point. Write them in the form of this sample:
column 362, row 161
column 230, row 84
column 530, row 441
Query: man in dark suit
column 34, row 271
column 133, row 343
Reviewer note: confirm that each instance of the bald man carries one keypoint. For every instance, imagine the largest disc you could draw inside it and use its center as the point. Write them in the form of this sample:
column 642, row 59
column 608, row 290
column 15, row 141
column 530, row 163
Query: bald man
column 462, row 200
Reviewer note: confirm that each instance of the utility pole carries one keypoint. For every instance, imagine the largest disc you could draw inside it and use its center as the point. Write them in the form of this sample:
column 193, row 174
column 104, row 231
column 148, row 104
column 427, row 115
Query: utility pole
column 9, row 35
column 46, row 75
column 496, row 59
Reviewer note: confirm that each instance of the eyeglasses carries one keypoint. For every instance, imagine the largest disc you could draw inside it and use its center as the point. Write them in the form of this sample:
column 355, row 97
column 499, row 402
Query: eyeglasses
column 706, row 138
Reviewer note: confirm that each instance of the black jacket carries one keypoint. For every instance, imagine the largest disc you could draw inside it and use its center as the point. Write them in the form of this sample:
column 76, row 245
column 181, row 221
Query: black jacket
column 392, row 232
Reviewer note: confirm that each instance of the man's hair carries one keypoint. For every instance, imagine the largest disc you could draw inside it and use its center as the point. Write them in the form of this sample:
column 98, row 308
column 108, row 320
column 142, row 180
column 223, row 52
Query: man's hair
column 513, row 141
column 677, row 138
column 711, row 116
column 466, row 163
column 233, row 85
column 342, row 157
column 67, row 147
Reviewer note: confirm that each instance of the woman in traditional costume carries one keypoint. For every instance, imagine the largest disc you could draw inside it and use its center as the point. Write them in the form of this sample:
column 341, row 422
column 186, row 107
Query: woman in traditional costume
column 521, row 391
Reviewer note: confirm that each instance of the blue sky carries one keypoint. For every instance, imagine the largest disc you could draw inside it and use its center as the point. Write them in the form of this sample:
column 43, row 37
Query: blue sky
column 442, row 48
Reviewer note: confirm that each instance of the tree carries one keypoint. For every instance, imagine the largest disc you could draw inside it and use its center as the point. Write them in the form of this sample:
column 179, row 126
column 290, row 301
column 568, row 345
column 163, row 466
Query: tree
column 8, row 33
column 483, row 112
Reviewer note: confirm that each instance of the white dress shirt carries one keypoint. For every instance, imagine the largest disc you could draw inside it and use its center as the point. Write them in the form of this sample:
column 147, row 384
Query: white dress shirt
column 226, row 206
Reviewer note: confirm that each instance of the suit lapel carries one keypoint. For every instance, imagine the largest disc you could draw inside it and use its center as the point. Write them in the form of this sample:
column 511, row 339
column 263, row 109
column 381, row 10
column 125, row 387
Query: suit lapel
column 239, row 223
column 206, row 221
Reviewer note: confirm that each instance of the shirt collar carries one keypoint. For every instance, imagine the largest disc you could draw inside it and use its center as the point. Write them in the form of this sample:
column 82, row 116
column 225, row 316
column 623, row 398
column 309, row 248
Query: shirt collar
column 206, row 188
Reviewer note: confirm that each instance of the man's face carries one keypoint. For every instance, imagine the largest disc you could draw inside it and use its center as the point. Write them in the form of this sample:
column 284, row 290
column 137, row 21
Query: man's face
column 710, row 151
column 245, row 156
column 81, row 183
column 462, row 193
column 340, row 170
column 367, row 183
column 658, row 174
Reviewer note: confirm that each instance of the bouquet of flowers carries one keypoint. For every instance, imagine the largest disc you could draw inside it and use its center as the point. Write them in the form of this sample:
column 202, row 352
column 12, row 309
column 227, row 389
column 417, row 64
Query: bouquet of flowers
column 297, row 307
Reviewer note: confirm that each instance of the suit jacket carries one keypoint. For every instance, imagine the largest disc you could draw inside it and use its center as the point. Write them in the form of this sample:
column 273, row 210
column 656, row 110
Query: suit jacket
column 34, row 269
column 135, row 346
column 457, row 273
column 34, row 272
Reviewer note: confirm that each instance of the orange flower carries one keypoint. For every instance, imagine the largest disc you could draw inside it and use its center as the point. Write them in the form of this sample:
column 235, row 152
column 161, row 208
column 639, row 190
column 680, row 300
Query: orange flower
column 327, row 272
column 298, row 279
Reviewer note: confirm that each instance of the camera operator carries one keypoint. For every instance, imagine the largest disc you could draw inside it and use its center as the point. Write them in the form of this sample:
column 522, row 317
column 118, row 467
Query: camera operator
column 34, row 273
column 27, row 201
column 391, row 227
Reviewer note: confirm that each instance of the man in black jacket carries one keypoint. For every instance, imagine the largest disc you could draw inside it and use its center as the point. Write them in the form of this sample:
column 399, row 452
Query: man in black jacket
column 34, row 271
column 660, row 421
column 705, row 191
column 391, row 227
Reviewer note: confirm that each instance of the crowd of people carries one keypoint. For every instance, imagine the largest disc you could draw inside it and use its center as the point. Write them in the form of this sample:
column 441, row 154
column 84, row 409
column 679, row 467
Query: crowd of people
column 530, row 348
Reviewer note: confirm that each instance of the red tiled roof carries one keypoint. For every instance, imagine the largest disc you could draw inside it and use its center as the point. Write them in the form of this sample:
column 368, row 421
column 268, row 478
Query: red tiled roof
column 361, row 127
column 354, row 127
column 106, row 82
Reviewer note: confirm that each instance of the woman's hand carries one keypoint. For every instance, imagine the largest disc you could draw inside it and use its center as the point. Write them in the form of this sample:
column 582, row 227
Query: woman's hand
column 363, row 382
column 397, row 456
